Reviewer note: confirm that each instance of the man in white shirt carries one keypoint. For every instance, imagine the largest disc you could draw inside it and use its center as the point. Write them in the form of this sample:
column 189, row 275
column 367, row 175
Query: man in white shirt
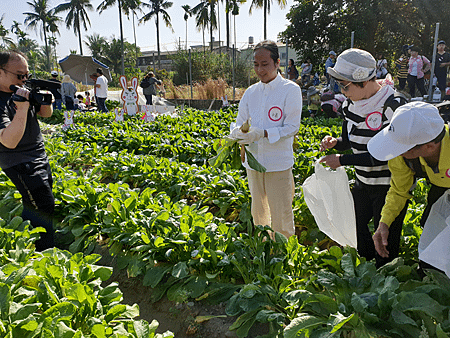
column 274, row 105
column 101, row 90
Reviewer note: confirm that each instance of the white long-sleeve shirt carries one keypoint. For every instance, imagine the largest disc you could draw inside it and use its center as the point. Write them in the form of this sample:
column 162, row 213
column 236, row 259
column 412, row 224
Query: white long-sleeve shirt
column 276, row 107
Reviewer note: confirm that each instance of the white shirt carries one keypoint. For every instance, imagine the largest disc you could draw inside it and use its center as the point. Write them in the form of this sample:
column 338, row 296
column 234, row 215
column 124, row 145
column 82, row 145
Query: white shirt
column 276, row 107
column 103, row 90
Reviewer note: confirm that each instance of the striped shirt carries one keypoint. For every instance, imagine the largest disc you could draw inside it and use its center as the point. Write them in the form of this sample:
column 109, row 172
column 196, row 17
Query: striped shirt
column 362, row 120
column 403, row 63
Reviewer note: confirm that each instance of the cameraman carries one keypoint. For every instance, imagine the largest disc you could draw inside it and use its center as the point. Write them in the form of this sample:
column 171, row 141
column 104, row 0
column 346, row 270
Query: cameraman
column 22, row 153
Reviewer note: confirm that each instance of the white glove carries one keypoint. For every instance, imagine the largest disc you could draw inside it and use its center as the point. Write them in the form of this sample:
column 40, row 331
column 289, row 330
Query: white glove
column 237, row 134
column 253, row 135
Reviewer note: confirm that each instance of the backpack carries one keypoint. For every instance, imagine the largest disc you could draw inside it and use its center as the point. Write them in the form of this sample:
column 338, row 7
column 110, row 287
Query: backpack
column 145, row 83
column 327, row 96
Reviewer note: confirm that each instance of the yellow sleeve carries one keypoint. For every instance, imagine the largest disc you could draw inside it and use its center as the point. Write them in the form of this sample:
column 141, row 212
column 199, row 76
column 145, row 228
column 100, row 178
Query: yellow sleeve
column 402, row 179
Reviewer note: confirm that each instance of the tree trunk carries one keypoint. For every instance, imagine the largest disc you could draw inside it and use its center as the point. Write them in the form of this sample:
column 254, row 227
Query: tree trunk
column 79, row 39
column 211, row 27
column 121, row 34
column 135, row 41
column 46, row 48
column 157, row 41
column 265, row 19
column 227, row 21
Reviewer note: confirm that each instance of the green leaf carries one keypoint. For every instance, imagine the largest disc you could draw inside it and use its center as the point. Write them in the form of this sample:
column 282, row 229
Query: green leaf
column 154, row 275
column 5, row 299
column 98, row 331
column 180, row 270
column 253, row 163
column 339, row 320
column 359, row 304
column 303, row 322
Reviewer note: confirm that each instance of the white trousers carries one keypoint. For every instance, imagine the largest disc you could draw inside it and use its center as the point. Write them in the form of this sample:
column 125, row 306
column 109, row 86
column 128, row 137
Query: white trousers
column 272, row 195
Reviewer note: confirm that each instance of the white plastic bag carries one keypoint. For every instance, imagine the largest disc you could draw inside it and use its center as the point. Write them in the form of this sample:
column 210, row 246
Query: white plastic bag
column 327, row 195
column 434, row 245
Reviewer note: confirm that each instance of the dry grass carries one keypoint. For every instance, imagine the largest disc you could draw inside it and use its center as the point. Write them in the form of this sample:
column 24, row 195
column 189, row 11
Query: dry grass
column 209, row 90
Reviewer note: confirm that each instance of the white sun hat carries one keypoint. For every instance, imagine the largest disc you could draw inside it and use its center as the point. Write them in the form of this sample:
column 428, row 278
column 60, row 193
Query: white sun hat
column 414, row 123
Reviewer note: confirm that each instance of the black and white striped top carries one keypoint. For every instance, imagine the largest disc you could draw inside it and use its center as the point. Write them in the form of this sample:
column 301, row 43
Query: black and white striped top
column 362, row 120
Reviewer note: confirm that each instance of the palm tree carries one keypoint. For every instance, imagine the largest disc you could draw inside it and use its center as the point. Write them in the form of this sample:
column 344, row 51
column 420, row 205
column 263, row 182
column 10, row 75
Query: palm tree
column 6, row 41
column 265, row 4
column 76, row 16
column 206, row 14
column 41, row 15
column 96, row 45
column 121, row 4
column 187, row 14
column 53, row 28
column 201, row 18
column 158, row 7
column 231, row 7
column 130, row 8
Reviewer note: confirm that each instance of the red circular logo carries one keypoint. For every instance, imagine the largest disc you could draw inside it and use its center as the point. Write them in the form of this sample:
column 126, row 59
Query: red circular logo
column 374, row 120
column 447, row 173
column 275, row 114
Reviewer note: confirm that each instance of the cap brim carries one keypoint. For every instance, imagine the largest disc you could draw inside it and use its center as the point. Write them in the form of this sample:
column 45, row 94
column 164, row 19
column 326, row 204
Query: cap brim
column 339, row 76
column 336, row 75
column 384, row 148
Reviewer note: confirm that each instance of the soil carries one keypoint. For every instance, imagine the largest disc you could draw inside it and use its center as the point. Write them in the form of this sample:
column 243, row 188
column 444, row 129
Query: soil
column 179, row 318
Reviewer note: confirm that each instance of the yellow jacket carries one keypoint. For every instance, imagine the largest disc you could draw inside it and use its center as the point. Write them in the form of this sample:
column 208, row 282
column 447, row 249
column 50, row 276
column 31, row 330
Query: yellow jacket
column 402, row 179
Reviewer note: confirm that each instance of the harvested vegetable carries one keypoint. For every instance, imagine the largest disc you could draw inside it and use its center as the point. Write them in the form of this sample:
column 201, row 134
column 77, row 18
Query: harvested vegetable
column 228, row 146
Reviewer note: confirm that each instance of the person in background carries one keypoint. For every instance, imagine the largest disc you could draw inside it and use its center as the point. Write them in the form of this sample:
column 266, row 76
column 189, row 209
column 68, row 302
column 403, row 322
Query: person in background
column 87, row 101
column 381, row 67
column 313, row 100
column 306, row 72
column 101, row 86
column 68, row 91
column 57, row 104
column 274, row 105
column 402, row 64
column 148, row 84
column 81, row 102
column 329, row 63
column 416, row 142
column 440, row 67
column 418, row 65
column 332, row 103
column 365, row 114
column 292, row 70
column 22, row 150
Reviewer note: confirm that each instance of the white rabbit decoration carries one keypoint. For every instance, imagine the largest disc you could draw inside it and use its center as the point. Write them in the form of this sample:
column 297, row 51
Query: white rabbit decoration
column 68, row 119
column 149, row 114
column 118, row 115
column 130, row 96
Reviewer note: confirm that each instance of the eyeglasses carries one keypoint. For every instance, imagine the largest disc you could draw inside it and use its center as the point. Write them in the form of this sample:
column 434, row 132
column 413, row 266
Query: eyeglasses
column 21, row 77
column 342, row 87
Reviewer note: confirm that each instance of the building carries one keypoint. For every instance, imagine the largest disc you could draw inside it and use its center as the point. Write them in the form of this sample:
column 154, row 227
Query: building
column 150, row 58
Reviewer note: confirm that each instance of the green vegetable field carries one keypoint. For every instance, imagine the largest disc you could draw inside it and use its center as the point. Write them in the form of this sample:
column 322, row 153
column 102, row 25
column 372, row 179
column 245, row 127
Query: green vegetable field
column 146, row 190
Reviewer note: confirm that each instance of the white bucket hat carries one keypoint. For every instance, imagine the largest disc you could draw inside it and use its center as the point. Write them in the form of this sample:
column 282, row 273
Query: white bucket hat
column 354, row 65
column 414, row 123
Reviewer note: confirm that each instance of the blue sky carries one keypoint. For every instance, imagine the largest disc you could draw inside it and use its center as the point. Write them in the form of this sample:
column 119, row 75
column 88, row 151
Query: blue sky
column 107, row 25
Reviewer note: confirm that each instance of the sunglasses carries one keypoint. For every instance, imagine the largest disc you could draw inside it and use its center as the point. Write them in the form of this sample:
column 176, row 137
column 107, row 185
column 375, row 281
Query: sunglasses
column 21, row 77
column 342, row 87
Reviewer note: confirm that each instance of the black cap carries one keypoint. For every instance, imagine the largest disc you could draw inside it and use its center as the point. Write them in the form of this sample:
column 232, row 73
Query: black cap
column 100, row 71
column 442, row 42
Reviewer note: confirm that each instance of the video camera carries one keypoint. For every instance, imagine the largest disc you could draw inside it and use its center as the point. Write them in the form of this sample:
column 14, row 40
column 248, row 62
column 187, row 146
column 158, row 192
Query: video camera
column 36, row 86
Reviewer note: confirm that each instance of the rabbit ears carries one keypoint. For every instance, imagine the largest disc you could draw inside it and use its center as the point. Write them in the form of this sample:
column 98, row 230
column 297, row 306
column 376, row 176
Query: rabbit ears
column 124, row 84
column 123, row 81
column 134, row 83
